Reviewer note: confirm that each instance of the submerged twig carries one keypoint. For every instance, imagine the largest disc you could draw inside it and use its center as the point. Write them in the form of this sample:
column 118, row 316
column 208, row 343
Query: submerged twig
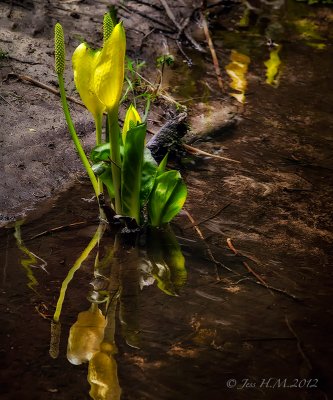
column 299, row 344
column 246, row 265
column 259, row 280
column 181, row 29
column 212, row 51
column 209, row 218
column 60, row 228
column 208, row 249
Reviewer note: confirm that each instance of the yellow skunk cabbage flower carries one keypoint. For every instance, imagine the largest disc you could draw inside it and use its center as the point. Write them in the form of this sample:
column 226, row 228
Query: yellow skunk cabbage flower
column 110, row 69
column 102, row 374
column 86, row 335
column 132, row 117
column 84, row 62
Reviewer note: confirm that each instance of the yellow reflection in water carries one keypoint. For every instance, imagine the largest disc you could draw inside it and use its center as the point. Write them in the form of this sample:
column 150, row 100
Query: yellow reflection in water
column 273, row 66
column 32, row 261
column 237, row 70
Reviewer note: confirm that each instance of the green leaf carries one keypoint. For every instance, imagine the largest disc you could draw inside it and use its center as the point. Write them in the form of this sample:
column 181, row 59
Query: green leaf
column 149, row 169
column 103, row 171
column 131, row 171
column 100, row 153
column 163, row 164
column 167, row 198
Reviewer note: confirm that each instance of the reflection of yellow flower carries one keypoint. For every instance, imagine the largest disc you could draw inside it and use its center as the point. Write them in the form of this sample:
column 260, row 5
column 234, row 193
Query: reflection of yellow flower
column 110, row 68
column 102, row 374
column 86, row 335
column 84, row 63
column 237, row 70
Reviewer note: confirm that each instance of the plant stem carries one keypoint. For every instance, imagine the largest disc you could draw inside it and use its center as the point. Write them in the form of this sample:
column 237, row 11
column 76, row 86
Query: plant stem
column 98, row 125
column 75, row 138
column 115, row 156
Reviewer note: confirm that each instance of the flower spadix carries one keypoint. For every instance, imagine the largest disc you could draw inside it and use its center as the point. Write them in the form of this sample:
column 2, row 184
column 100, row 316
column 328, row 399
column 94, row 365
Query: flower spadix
column 132, row 118
column 84, row 62
column 110, row 69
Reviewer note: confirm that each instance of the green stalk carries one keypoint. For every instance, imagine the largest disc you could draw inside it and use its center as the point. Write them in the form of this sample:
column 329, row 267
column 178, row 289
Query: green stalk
column 115, row 156
column 74, row 136
column 98, row 125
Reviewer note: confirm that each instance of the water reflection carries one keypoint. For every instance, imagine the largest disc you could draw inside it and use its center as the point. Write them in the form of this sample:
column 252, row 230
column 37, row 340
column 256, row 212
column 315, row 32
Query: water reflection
column 125, row 263
column 273, row 65
column 30, row 259
column 237, row 70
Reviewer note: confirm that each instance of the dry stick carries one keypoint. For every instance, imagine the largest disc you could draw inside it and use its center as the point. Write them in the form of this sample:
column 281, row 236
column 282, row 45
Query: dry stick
column 180, row 27
column 299, row 344
column 212, row 51
column 43, row 86
column 194, row 150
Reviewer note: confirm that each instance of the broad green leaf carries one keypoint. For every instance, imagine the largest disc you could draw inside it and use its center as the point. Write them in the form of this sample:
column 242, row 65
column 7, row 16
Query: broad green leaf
column 149, row 169
column 110, row 69
column 132, row 116
column 100, row 153
column 131, row 171
column 84, row 62
column 167, row 198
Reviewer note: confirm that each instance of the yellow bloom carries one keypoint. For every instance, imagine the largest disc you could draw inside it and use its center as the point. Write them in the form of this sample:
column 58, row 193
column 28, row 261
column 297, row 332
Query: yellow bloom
column 110, row 69
column 84, row 63
column 131, row 116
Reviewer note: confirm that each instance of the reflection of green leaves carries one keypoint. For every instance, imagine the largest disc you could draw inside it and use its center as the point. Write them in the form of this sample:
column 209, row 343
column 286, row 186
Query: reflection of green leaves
column 167, row 198
column 168, row 262
column 273, row 66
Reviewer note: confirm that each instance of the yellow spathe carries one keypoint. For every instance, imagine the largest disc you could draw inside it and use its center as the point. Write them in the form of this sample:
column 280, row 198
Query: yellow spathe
column 84, row 62
column 131, row 116
column 110, row 69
